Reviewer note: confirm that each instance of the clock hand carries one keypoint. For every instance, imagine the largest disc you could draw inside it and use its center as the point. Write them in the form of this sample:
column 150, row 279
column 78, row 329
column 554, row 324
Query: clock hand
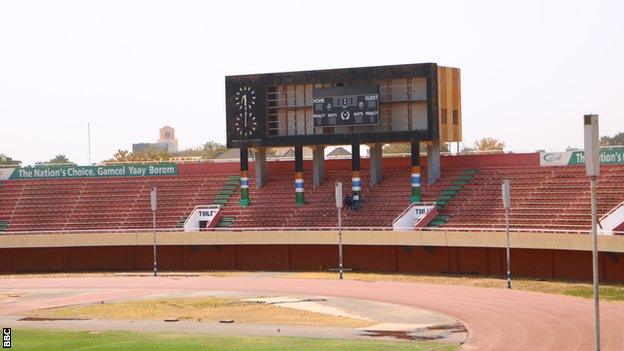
column 244, row 100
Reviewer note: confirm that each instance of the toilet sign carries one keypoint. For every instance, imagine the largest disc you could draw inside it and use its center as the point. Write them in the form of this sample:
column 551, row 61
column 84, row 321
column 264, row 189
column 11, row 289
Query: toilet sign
column 206, row 215
column 418, row 214
column 210, row 214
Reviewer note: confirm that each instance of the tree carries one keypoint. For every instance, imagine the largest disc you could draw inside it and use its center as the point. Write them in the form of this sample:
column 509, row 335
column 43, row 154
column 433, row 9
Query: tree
column 489, row 144
column 397, row 148
column 209, row 150
column 212, row 149
column 122, row 156
column 617, row 139
column 193, row 152
column 8, row 161
column 406, row 148
column 141, row 156
column 60, row 159
column 57, row 160
column 150, row 155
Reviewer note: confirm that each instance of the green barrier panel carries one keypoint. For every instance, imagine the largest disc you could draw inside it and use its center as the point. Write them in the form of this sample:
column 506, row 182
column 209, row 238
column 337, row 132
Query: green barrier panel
column 73, row 171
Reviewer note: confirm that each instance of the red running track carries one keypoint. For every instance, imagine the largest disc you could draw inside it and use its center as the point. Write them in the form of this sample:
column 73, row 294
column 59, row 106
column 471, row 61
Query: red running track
column 497, row 319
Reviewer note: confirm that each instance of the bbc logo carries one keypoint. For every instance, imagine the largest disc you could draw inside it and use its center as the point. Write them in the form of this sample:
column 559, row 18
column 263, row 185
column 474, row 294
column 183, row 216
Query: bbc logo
column 6, row 338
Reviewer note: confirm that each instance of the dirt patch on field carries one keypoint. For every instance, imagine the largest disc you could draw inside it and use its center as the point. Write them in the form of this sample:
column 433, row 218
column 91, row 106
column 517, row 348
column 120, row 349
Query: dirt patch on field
column 10, row 297
column 210, row 309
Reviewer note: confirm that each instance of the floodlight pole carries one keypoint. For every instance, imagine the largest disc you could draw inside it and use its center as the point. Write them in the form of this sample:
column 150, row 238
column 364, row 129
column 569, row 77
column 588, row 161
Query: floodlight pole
column 153, row 205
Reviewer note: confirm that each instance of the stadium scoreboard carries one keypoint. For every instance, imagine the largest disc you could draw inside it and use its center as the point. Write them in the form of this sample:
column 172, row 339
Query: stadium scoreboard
column 346, row 106
column 366, row 105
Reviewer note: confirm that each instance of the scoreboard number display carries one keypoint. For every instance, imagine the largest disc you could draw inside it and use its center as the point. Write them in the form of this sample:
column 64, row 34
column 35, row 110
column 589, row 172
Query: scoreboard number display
column 346, row 106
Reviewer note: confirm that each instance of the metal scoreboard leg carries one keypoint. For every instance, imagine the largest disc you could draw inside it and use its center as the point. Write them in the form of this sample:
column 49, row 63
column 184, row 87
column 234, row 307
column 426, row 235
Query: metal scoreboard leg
column 376, row 163
column 356, row 180
column 299, row 199
column 318, row 165
column 244, row 179
column 415, row 171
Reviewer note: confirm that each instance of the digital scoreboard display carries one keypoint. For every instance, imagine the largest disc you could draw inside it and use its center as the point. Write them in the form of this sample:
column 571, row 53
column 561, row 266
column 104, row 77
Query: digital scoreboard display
column 346, row 106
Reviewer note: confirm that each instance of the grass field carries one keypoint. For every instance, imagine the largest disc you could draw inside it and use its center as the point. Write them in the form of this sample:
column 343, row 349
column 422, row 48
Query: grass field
column 208, row 309
column 68, row 341
column 613, row 293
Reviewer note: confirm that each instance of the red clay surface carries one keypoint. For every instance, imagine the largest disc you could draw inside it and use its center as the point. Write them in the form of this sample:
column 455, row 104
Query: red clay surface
column 496, row 319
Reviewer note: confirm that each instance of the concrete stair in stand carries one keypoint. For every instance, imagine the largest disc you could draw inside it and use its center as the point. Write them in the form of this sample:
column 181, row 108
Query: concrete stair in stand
column 222, row 198
column 228, row 189
column 449, row 193
column 181, row 221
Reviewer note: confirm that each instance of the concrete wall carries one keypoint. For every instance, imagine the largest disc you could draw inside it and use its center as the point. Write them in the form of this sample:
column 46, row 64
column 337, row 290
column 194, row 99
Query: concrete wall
column 536, row 263
column 440, row 238
column 539, row 255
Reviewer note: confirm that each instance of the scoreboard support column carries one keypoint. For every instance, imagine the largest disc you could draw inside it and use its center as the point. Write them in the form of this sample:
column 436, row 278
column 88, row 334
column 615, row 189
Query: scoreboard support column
column 376, row 167
column 244, row 178
column 356, row 181
column 299, row 200
column 260, row 166
column 433, row 161
column 415, row 172
column 318, row 165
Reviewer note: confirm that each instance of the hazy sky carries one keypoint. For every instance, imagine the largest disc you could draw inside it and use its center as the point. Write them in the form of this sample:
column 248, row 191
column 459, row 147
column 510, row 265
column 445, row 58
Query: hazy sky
column 530, row 69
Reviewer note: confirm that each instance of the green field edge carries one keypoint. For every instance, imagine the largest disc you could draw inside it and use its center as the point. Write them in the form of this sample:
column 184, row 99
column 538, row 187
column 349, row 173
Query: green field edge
column 57, row 340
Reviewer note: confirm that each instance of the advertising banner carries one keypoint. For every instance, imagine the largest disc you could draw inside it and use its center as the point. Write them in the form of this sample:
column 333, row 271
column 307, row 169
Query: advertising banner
column 73, row 171
column 608, row 156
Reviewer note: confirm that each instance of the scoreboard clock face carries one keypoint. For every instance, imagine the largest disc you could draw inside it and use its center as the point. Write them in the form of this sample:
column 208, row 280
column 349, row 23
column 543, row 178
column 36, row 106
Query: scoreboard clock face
column 346, row 106
column 245, row 123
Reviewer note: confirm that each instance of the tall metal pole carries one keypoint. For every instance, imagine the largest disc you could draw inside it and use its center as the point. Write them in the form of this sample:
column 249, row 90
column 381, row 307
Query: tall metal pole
column 594, row 214
column 592, row 168
column 508, row 249
column 339, row 208
column 154, row 235
column 507, row 205
column 153, row 205
column 340, row 265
